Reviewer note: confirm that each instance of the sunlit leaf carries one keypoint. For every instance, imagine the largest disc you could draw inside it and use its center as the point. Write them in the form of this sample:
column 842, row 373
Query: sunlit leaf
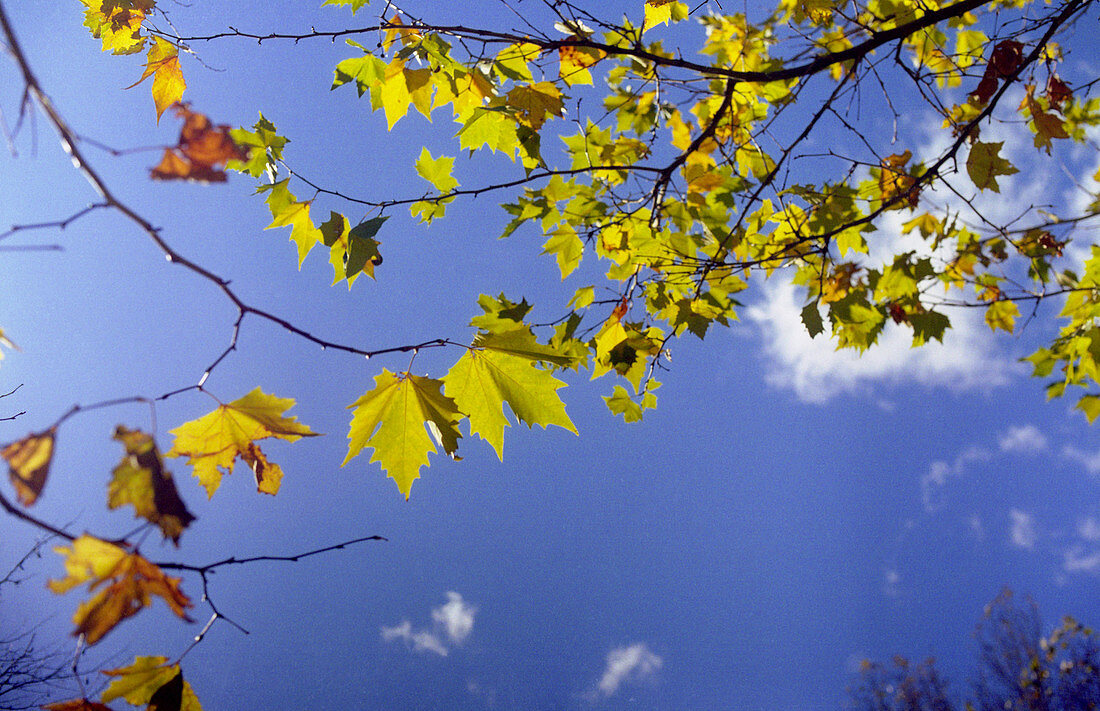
column 392, row 419
column 142, row 481
column 123, row 583
column 213, row 442
column 29, row 464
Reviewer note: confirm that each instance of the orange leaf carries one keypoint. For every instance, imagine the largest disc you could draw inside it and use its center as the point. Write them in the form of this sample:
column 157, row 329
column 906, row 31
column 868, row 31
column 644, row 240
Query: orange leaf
column 77, row 705
column 202, row 152
column 29, row 464
column 127, row 582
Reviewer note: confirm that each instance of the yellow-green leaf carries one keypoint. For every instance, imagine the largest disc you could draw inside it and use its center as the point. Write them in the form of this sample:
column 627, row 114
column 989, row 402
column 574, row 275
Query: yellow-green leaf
column 213, row 442
column 436, row 171
column 483, row 380
column 1002, row 315
column 141, row 480
column 392, row 419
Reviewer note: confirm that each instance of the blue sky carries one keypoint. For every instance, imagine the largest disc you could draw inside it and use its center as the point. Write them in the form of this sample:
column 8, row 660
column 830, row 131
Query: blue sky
column 784, row 513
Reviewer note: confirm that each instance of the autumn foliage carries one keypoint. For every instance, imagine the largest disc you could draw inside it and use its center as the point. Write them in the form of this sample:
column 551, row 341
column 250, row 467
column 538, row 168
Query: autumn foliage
column 671, row 193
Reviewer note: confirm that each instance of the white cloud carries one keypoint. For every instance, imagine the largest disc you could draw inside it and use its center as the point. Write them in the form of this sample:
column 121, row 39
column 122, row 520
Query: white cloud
column 817, row 372
column 1023, row 440
column 976, row 527
column 1022, row 533
column 453, row 622
column 421, row 641
column 1078, row 560
column 628, row 664
column 456, row 617
column 891, row 583
column 940, row 472
column 1089, row 530
column 1090, row 461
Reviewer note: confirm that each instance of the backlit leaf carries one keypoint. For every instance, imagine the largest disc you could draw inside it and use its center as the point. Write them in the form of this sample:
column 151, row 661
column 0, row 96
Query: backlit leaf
column 117, row 23
column 125, row 581
column 152, row 681
column 436, row 171
column 213, row 442
column 985, row 163
column 29, row 464
column 163, row 64
column 485, row 378
column 202, row 151
column 142, row 481
column 392, row 419
column 286, row 211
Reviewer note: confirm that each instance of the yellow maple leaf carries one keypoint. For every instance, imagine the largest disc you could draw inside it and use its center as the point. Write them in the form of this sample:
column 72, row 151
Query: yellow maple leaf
column 29, row 464
column 163, row 64
column 213, row 442
column 534, row 102
column 657, row 12
column 127, row 582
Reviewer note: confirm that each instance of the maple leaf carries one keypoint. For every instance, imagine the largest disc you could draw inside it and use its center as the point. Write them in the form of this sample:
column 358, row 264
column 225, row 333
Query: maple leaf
column 436, row 171
column 286, row 211
column 657, row 12
column 502, row 369
column 213, row 442
column 534, row 102
column 127, row 582
column 163, row 64
column 895, row 182
column 574, row 62
column 117, row 23
column 141, row 480
column 353, row 4
column 152, row 681
column 985, row 163
column 29, row 464
column 202, row 151
column 391, row 419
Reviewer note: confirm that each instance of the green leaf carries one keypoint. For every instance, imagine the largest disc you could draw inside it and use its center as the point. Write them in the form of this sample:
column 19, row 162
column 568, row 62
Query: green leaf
column 928, row 326
column 985, row 163
column 521, row 342
column 436, row 171
column 363, row 255
column 392, row 418
column 483, row 380
column 811, row 319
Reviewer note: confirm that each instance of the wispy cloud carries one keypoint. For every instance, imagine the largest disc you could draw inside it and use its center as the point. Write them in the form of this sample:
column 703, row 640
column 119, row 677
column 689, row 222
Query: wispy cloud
column 628, row 665
column 420, row 640
column 1022, row 533
column 1083, row 556
column 453, row 623
column 1078, row 559
column 1026, row 439
column 940, row 473
column 1089, row 460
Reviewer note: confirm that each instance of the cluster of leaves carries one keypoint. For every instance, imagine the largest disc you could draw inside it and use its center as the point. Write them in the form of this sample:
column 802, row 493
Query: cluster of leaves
column 673, row 196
